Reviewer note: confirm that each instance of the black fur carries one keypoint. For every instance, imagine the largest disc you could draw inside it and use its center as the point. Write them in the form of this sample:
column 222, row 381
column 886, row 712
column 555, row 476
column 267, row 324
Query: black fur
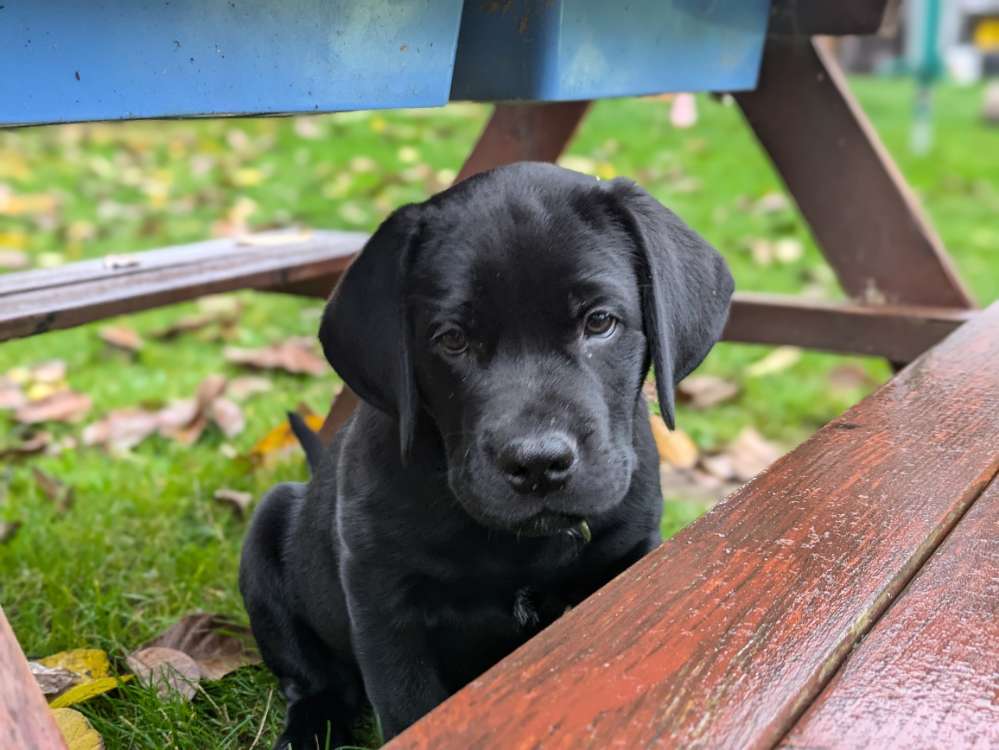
column 475, row 495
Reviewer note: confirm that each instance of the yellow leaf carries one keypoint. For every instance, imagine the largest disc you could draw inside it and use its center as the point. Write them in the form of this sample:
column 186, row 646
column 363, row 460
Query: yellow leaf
column 89, row 663
column 76, row 730
column 17, row 240
column 606, row 171
column 281, row 438
column 776, row 361
column 87, row 690
column 94, row 669
column 676, row 448
column 247, row 177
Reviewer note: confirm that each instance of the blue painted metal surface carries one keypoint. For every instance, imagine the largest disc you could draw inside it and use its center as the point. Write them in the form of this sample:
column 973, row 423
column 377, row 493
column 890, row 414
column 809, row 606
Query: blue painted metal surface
column 74, row 60
column 559, row 50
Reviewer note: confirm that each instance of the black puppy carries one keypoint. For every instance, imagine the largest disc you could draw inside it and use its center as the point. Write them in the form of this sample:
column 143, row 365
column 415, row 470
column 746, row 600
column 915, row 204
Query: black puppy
column 501, row 467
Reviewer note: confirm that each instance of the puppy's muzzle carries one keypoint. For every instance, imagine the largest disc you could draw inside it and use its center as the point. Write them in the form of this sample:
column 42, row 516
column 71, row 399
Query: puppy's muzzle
column 538, row 464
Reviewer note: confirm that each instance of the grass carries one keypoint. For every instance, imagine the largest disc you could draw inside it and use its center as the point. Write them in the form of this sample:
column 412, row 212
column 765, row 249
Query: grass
column 145, row 543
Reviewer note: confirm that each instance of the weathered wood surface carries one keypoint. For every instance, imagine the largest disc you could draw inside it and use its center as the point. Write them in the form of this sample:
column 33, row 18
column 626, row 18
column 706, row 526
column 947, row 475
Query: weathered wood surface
column 899, row 332
column 33, row 302
column 25, row 718
column 725, row 634
column 863, row 215
column 927, row 675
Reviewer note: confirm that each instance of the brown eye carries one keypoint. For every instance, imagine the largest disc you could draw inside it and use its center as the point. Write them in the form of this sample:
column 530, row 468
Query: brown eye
column 453, row 341
column 599, row 324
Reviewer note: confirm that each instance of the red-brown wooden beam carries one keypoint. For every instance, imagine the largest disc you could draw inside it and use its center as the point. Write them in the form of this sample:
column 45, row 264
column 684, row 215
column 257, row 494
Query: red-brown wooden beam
column 25, row 718
column 861, row 212
column 899, row 332
column 515, row 132
column 724, row 635
column 927, row 675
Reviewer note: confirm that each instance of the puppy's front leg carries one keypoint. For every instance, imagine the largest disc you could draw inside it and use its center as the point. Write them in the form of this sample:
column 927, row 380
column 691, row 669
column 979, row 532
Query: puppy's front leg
column 402, row 675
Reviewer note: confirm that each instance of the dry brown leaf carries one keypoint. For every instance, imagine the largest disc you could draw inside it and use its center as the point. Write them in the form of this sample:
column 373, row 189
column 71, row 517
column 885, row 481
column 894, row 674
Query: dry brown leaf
column 76, row 730
column 693, row 485
column 122, row 429
column 705, row 391
column 11, row 395
column 28, row 443
column 52, row 680
column 60, row 493
column 244, row 387
column 238, row 501
column 849, row 377
column 772, row 203
column 676, row 447
column 719, row 466
column 227, row 415
column 63, row 406
column 171, row 672
column 776, row 361
column 215, row 643
column 8, row 530
column 51, row 371
column 295, row 355
column 750, row 453
column 12, row 260
column 122, row 337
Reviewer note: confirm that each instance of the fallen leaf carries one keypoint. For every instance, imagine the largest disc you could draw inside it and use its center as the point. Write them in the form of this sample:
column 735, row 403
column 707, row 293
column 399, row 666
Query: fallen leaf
column 788, row 250
column 762, row 252
column 849, row 377
column 214, row 642
column 705, row 391
column 693, row 485
column 29, row 443
column 238, row 501
column 169, row 671
column 214, row 310
column 294, row 355
column 52, row 680
column 676, row 447
column 280, row 440
column 50, row 371
column 76, row 730
column 719, row 466
column 122, row 337
column 227, row 415
column 8, row 530
column 12, row 260
column 776, row 361
column 11, row 395
column 63, row 406
column 751, row 453
column 122, row 429
column 244, row 387
column 772, row 203
column 60, row 493
column 93, row 668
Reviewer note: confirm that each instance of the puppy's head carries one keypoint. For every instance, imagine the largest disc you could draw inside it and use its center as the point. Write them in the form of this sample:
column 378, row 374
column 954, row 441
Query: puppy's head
column 519, row 312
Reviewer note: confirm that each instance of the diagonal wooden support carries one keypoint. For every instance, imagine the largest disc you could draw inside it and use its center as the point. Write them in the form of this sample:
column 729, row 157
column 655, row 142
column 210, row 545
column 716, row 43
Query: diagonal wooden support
column 863, row 216
column 515, row 132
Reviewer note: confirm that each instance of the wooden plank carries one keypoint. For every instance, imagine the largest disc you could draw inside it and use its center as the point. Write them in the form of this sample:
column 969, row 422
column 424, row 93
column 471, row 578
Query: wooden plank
column 25, row 718
column 524, row 132
column 927, row 675
column 723, row 635
column 37, row 301
column 861, row 212
column 899, row 332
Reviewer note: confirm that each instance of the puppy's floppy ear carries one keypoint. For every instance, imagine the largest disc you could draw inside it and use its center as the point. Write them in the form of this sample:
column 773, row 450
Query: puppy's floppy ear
column 365, row 331
column 686, row 288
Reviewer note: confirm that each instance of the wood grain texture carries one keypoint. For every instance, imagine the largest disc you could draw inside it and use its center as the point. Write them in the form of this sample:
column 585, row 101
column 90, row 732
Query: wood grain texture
column 726, row 633
column 899, row 332
column 25, row 718
column 927, row 675
column 33, row 302
column 863, row 215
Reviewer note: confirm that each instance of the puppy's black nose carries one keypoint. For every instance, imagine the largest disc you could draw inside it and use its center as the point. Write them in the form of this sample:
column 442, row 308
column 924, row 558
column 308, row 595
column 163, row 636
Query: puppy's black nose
column 538, row 464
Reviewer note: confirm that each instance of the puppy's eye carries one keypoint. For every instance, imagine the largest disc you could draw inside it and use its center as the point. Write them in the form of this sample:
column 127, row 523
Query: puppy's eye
column 452, row 340
column 599, row 324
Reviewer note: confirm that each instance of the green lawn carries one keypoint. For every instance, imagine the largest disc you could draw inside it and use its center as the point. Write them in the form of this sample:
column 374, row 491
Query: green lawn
column 145, row 543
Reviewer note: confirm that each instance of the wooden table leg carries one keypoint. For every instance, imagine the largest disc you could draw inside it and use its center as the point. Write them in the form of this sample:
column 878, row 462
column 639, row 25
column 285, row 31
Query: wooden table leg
column 863, row 216
column 25, row 718
column 515, row 132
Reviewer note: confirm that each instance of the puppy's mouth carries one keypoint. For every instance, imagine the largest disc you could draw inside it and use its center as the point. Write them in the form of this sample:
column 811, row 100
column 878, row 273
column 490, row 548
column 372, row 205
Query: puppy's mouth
column 549, row 523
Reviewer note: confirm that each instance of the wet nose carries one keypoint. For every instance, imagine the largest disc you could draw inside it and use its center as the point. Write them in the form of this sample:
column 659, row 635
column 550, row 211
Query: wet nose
column 538, row 464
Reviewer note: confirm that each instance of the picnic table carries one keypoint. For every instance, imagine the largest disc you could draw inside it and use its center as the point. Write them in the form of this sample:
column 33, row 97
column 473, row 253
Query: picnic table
column 848, row 595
